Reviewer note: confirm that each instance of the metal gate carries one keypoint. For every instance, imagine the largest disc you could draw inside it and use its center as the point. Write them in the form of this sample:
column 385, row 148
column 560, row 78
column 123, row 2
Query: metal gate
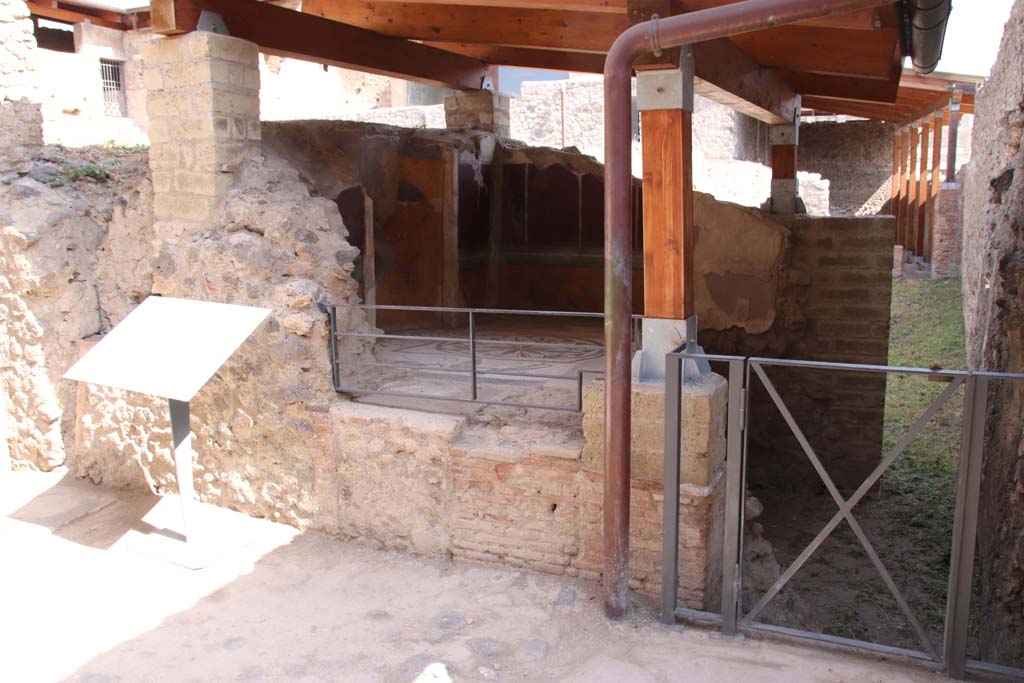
column 743, row 373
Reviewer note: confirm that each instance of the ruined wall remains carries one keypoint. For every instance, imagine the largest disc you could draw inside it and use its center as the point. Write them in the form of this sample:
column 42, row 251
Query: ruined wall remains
column 993, row 279
column 730, row 150
column 20, row 118
column 815, row 288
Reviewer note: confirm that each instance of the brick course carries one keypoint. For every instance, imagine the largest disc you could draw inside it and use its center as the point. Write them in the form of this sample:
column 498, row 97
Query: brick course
column 437, row 484
column 947, row 222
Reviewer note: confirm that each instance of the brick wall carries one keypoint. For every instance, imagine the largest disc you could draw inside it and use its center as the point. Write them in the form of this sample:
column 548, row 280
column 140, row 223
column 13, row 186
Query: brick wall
column 204, row 119
column 436, row 483
column 947, row 229
column 844, row 265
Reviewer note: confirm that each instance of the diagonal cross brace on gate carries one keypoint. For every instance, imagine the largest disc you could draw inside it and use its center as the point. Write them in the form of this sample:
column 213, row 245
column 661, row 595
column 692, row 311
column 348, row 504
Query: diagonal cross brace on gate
column 846, row 506
column 732, row 623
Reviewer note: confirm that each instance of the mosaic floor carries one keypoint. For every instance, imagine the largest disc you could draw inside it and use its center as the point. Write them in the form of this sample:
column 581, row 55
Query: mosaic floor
column 525, row 361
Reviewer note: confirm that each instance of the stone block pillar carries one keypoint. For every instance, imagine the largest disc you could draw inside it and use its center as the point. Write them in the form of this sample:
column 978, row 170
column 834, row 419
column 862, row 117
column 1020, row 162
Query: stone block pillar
column 478, row 110
column 702, row 485
column 21, row 119
column 202, row 96
column 947, row 230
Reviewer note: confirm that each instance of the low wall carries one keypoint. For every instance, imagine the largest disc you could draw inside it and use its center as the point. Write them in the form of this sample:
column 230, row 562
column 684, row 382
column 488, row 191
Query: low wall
column 430, row 483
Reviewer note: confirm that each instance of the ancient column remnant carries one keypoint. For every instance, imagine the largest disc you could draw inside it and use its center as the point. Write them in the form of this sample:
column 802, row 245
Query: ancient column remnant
column 481, row 110
column 204, row 119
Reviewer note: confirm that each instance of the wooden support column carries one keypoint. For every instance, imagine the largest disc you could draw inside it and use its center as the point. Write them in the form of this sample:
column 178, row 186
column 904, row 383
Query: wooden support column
column 935, row 182
column 785, row 188
column 922, row 189
column 666, row 123
column 911, row 216
column 894, row 191
column 899, row 168
column 904, row 187
column 954, row 134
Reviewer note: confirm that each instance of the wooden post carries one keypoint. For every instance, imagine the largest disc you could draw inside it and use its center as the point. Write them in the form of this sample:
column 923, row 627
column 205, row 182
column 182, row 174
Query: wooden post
column 904, row 187
column 665, row 101
column 899, row 162
column 933, row 193
column 785, row 189
column 954, row 134
column 908, row 244
column 922, row 190
column 668, row 213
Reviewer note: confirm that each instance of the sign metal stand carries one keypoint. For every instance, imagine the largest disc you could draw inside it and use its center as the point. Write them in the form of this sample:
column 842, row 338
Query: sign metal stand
column 192, row 340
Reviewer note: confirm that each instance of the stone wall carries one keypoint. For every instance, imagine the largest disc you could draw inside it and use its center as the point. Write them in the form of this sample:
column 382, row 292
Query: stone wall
column 20, row 118
column 856, row 158
column 993, row 279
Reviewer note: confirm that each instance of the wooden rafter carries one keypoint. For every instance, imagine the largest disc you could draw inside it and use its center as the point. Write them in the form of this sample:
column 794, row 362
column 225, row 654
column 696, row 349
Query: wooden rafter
column 728, row 75
column 287, row 33
column 840, row 52
column 511, row 27
column 73, row 16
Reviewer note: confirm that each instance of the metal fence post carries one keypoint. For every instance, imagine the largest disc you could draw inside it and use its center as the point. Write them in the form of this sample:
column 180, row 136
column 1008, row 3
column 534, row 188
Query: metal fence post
column 670, row 506
column 732, row 549
column 965, row 525
column 472, row 352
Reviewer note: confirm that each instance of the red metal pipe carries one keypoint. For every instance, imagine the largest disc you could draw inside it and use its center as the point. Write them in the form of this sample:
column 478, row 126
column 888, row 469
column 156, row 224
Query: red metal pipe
column 649, row 36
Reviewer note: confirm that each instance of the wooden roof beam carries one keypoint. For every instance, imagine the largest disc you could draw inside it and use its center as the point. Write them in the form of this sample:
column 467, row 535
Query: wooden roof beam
column 871, row 89
column 861, row 20
column 287, row 33
column 511, row 27
column 841, row 52
column 555, row 60
column 728, row 75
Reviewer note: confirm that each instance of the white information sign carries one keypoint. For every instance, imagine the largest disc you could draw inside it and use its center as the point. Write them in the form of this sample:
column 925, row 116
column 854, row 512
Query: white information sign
column 170, row 348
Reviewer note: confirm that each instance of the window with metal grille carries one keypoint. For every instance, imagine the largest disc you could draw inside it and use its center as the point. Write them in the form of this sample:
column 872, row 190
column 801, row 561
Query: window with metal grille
column 112, row 73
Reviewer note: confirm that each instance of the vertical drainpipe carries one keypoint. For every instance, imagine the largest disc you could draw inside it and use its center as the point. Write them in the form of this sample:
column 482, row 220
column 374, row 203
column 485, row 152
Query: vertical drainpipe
column 651, row 36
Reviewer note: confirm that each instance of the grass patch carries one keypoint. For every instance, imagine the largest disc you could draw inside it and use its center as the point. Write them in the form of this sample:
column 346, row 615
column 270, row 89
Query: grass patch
column 91, row 172
column 918, row 493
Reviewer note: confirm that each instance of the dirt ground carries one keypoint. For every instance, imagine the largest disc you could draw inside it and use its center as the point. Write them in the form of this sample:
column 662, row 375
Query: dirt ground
column 93, row 592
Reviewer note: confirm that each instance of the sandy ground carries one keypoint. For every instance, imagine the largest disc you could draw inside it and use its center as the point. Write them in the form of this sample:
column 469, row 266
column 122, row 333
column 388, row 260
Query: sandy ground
column 92, row 590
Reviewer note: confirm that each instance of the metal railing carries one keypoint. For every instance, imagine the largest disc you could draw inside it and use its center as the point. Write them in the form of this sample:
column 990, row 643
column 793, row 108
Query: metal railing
column 474, row 373
column 731, row 619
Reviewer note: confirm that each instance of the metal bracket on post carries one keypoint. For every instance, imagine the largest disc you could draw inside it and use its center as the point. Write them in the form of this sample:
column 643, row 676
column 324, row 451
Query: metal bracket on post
column 667, row 88
column 181, row 434
column 663, row 336
column 212, row 22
